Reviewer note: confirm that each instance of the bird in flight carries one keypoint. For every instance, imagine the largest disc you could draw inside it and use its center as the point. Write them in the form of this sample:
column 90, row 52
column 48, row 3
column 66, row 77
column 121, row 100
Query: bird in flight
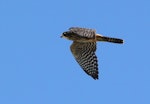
column 84, row 46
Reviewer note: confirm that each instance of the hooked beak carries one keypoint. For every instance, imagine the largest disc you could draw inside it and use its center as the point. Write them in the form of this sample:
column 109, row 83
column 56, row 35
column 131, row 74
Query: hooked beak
column 61, row 36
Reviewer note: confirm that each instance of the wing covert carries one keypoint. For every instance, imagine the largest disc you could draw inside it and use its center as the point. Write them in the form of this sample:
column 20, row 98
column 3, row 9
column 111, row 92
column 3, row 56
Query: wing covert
column 84, row 32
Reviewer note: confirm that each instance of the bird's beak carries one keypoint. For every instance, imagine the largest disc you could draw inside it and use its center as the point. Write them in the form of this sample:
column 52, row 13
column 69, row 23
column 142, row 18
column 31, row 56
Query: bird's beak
column 61, row 36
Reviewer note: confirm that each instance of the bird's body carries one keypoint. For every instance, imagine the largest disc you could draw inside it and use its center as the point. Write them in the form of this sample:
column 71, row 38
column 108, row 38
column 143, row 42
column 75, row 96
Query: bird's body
column 84, row 47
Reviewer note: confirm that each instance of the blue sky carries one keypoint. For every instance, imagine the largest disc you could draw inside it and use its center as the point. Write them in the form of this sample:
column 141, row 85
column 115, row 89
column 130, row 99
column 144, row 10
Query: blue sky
column 37, row 67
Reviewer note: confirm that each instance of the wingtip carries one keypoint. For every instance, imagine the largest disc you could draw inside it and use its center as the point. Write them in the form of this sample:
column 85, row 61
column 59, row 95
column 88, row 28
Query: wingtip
column 95, row 77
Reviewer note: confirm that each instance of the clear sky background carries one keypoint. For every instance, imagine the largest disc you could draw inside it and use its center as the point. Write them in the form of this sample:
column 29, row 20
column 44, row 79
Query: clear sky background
column 37, row 67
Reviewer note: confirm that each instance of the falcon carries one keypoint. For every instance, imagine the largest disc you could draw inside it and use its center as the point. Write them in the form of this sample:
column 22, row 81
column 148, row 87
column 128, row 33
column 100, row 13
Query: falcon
column 84, row 46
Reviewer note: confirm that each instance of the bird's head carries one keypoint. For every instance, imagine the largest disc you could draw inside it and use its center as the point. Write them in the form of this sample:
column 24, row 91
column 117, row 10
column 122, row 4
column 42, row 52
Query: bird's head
column 68, row 35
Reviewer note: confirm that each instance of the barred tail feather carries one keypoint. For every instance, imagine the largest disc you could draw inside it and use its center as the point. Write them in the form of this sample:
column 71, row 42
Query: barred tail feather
column 109, row 39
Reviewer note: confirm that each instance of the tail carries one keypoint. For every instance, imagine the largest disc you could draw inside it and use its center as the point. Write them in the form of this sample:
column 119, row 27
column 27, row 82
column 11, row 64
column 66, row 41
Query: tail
column 108, row 39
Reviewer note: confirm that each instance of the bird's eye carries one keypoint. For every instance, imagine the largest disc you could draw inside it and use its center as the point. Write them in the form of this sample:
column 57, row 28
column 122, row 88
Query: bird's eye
column 65, row 33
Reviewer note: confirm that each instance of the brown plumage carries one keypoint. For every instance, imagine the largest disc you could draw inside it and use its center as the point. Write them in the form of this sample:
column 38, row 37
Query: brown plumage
column 84, row 47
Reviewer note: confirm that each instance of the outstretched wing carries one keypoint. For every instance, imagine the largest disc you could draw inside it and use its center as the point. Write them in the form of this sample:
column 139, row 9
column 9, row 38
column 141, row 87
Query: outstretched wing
column 84, row 53
column 84, row 32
